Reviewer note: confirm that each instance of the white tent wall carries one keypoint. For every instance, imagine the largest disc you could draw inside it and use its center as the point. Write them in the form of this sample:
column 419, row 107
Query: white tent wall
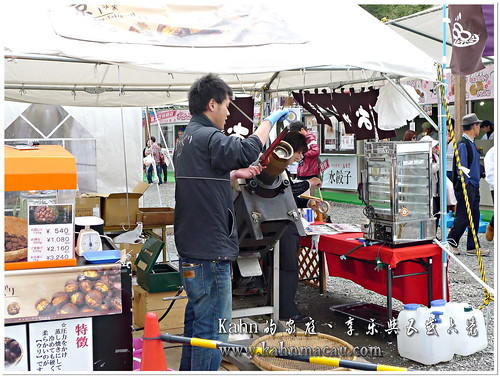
column 118, row 145
column 106, row 126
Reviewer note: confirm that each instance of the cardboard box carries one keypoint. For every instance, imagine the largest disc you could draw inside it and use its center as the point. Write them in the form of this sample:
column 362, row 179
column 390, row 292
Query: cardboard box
column 88, row 205
column 156, row 216
column 114, row 209
column 145, row 301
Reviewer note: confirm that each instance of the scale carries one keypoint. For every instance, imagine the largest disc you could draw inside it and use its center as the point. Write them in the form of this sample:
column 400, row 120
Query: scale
column 88, row 240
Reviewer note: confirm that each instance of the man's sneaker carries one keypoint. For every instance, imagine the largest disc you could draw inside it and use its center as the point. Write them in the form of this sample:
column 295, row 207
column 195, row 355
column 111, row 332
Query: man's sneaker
column 454, row 249
column 490, row 231
column 483, row 252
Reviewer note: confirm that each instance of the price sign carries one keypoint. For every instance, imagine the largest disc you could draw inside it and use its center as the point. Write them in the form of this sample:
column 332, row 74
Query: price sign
column 50, row 232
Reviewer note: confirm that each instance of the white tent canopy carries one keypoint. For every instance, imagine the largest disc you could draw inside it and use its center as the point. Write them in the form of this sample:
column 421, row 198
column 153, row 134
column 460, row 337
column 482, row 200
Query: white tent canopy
column 323, row 45
column 425, row 30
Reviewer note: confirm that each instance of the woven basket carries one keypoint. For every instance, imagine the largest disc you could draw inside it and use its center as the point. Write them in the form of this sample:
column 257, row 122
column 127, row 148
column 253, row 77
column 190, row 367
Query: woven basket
column 18, row 227
column 299, row 341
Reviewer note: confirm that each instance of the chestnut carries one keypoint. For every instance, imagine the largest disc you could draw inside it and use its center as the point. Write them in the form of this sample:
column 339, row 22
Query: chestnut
column 13, row 308
column 77, row 298
column 116, row 303
column 59, row 299
column 92, row 274
column 102, row 287
column 85, row 286
column 44, row 306
column 93, row 299
column 71, row 286
column 68, row 308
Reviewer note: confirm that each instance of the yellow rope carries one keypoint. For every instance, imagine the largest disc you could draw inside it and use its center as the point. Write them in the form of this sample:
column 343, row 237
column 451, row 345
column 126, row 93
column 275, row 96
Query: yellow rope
column 487, row 296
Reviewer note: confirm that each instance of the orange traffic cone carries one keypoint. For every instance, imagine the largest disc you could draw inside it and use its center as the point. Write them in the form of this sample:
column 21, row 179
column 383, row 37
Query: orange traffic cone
column 153, row 357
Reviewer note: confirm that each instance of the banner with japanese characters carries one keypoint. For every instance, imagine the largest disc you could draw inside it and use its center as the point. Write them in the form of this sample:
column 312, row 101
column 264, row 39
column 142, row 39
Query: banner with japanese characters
column 239, row 123
column 57, row 346
column 340, row 172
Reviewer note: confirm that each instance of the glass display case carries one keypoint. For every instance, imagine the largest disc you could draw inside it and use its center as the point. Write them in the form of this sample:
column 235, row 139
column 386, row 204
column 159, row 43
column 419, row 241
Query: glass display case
column 397, row 192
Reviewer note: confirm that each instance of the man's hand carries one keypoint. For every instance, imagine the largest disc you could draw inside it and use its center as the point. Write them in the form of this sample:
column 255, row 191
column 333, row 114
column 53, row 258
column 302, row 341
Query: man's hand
column 315, row 181
column 246, row 173
column 278, row 115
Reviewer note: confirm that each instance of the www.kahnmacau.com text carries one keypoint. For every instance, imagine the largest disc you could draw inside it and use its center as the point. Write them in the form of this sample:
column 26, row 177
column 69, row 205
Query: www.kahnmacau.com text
column 282, row 350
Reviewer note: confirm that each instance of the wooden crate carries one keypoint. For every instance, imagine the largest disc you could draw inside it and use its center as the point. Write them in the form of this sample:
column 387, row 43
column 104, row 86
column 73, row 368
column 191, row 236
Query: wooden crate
column 144, row 302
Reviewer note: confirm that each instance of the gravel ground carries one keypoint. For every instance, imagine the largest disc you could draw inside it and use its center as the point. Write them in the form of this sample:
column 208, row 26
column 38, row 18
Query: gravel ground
column 463, row 288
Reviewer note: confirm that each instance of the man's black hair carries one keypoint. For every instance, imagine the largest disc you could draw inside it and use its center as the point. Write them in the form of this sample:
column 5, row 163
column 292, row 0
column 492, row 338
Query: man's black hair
column 296, row 126
column 297, row 141
column 153, row 139
column 487, row 123
column 202, row 91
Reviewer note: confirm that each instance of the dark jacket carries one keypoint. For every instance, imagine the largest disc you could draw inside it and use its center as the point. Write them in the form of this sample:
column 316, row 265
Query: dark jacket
column 204, row 220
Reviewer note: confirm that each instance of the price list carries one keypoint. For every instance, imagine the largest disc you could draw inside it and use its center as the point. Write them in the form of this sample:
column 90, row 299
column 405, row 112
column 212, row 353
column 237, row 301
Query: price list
column 50, row 232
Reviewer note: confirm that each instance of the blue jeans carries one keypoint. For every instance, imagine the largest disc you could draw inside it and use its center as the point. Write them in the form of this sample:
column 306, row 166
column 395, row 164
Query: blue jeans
column 158, row 173
column 150, row 174
column 461, row 222
column 208, row 287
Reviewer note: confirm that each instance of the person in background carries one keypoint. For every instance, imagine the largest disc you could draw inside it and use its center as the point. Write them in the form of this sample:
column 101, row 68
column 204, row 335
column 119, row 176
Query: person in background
column 489, row 167
column 427, row 130
column 435, row 204
column 179, row 135
column 450, row 154
column 147, row 151
column 164, row 162
column 487, row 128
column 469, row 160
column 157, row 155
column 309, row 167
column 409, row 135
column 289, row 243
column 206, row 160
column 292, row 169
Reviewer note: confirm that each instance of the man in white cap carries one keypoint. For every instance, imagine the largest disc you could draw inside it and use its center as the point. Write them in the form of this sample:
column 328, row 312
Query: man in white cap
column 469, row 159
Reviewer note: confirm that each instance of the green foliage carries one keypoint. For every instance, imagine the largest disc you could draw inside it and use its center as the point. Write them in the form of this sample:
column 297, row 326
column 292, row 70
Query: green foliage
column 394, row 11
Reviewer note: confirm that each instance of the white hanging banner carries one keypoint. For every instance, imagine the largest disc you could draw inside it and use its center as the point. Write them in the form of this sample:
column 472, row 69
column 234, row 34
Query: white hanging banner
column 61, row 345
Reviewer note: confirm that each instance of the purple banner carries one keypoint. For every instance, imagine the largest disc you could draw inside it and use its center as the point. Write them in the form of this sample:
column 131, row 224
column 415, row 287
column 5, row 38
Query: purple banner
column 489, row 21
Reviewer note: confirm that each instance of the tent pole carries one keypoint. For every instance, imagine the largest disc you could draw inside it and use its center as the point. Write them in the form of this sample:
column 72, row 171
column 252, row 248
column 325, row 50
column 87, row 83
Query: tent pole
column 443, row 146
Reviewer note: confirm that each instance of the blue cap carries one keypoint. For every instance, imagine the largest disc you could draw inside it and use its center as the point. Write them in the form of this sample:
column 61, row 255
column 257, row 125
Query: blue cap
column 437, row 318
column 412, row 306
column 440, row 302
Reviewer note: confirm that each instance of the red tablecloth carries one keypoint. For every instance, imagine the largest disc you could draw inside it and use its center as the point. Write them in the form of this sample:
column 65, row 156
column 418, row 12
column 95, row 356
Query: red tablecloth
column 412, row 289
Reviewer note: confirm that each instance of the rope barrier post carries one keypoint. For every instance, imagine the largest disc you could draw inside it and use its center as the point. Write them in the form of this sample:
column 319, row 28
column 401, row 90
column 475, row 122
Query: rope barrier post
column 487, row 296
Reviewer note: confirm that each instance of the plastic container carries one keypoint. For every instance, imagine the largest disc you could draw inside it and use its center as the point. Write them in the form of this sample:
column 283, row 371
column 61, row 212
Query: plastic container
column 411, row 334
column 423, row 335
column 472, row 328
column 466, row 328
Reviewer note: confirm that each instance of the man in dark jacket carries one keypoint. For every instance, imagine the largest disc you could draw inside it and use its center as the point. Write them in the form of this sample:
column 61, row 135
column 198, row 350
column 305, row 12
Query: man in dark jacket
column 206, row 160
column 470, row 166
